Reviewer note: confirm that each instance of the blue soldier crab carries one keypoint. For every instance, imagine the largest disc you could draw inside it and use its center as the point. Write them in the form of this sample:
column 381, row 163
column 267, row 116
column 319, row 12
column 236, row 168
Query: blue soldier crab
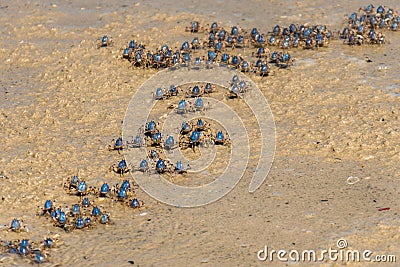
column 135, row 203
column 160, row 94
column 48, row 207
column 211, row 56
column 182, row 107
column 126, row 185
column 180, row 169
column 235, row 61
column 72, row 183
column 48, row 242
column 218, row 48
column 121, row 167
column 104, row 41
column 96, row 211
column 104, row 190
column 262, row 52
column 154, row 154
column 76, row 210
column 136, row 142
column 169, row 143
column 214, row 28
column 185, row 128
column 284, row 60
column 199, row 104
column 195, row 43
column 86, row 202
column 155, row 140
column 163, row 166
column 150, row 128
column 221, row 139
column 195, row 139
column 239, row 42
column 16, row 225
column 245, row 66
column 225, row 58
column 194, row 27
column 209, row 88
column 127, row 53
column 201, row 125
column 105, row 219
column 233, row 92
column 118, row 145
column 144, row 166
column 79, row 223
column 263, row 69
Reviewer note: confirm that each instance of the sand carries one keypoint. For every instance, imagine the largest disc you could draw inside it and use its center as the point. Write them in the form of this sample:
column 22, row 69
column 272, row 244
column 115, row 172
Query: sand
column 63, row 100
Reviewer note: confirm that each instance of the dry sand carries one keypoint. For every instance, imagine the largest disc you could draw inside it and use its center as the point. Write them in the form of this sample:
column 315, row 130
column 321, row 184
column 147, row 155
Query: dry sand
column 62, row 101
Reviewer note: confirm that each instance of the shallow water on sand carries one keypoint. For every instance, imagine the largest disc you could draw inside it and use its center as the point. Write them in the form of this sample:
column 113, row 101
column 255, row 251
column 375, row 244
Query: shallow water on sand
column 62, row 102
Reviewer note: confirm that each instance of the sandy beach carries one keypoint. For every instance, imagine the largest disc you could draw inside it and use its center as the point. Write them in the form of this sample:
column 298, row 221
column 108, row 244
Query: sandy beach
column 63, row 100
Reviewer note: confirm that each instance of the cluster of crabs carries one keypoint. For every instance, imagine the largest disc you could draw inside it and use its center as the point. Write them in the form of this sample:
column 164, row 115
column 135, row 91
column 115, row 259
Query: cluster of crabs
column 219, row 46
column 293, row 36
column 193, row 133
column 35, row 251
column 367, row 25
column 85, row 213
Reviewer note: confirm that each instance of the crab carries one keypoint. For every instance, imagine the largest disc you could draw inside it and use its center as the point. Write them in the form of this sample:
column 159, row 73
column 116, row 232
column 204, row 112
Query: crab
column 16, row 225
column 72, row 183
column 60, row 219
column 261, row 52
column 136, row 204
column 180, row 169
column 144, row 166
column 245, row 66
column 136, row 142
column 202, row 126
column 235, row 61
column 86, row 202
column 233, row 92
column 169, row 143
column 118, row 145
column 195, row 43
column 48, row 207
column 164, row 166
column 154, row 154
column 155, row 140
column 194, row 27
column 75, row 210
column 199, row 105
column 96, row 211
column 82, row 189
column 285, row 60
column 209, row 88
column 127, row 53
column 196, row 138
column 214, row 28
column 120, row 167
column 104, row 190
column 195, row 91
column 104, row 41
column 221, row 139
column 150, row 128
column 105, row 218
column 181, row 108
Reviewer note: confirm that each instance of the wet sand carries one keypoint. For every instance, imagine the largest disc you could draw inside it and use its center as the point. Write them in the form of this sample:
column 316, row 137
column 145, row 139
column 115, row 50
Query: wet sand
column 62, row 101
